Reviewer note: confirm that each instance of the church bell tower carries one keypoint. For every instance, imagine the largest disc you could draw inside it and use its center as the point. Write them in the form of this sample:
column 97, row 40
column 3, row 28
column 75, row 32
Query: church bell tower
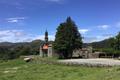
column 46, row 48
column 46, row 37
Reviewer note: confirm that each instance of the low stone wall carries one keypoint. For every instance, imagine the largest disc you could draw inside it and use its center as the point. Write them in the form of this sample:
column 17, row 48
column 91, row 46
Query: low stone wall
column 93, row 55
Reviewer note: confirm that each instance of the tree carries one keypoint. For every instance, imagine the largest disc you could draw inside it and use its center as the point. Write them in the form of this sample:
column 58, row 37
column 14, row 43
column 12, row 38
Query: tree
column 67, row 39
column 117, row 42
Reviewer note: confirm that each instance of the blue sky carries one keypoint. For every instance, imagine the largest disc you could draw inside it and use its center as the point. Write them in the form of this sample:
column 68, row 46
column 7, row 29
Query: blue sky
column 27, row 20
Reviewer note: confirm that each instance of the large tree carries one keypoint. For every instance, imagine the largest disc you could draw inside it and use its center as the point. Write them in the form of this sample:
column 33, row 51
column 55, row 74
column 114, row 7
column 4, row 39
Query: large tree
column 67, row 39
column 117, row 42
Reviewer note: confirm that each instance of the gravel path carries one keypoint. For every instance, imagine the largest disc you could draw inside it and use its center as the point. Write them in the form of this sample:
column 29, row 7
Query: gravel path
column 92, row 62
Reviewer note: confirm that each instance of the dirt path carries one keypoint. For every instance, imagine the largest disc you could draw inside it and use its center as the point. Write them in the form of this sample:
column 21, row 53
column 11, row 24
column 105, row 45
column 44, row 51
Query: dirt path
column 92, row 62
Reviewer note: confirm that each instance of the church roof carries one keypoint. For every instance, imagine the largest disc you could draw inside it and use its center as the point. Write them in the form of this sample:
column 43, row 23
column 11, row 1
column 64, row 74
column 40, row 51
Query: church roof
column 45, row 46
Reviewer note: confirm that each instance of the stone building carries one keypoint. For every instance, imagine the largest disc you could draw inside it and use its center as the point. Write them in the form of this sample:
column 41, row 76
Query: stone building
column 83, row 53
column 88, row 53
column 46, row 49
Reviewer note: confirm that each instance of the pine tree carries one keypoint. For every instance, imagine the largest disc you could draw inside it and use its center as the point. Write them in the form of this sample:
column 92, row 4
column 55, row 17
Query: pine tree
column 67, row 39
column 117, row 42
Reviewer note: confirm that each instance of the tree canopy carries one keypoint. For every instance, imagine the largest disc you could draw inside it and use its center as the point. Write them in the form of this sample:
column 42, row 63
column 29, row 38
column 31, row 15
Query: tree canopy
column 67, row 39
column 117, row 42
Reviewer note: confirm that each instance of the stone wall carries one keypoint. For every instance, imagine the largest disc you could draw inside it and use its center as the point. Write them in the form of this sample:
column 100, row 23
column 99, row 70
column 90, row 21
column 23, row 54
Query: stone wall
column 83, row 53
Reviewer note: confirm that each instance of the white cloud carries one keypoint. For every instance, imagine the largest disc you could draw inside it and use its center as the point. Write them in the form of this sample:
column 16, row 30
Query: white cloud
column 13, row 36
column 15, row 19
column 118, row 24
column 99, row 38
column 96, row 38
column 83, row 31
column 104, row 26
column 51, row 37
column 5, row 33
column 20, row 36
column 54, row 0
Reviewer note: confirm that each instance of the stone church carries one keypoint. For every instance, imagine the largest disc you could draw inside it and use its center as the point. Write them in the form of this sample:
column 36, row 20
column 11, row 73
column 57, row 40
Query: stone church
column 46, row 49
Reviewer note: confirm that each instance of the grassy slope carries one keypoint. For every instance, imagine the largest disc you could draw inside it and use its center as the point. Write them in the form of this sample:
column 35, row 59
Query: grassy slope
column 19, row 70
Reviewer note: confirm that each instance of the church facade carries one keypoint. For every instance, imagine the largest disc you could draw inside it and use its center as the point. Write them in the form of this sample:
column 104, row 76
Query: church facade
column 46, row 49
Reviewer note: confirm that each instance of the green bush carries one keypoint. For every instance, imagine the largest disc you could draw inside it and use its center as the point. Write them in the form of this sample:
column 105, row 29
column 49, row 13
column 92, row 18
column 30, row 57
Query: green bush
column 107, row 50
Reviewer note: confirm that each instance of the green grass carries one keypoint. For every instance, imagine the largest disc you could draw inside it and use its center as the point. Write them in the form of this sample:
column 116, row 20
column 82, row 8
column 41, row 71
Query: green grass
column 36, row 70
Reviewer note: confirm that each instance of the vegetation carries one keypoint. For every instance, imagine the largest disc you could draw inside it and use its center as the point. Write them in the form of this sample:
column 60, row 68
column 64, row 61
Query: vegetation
column 110, row 46
column 67, row 39
column 109, row 51
column 107, row 43
column 19, row 70
column 117, row 42
column 14, row 50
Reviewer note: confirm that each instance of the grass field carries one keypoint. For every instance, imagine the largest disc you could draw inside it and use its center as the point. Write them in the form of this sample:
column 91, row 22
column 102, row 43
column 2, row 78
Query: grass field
column 20, row 70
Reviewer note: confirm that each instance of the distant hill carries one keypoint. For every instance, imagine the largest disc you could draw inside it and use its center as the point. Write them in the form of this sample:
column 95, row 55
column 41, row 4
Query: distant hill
column 6, row 44
column 107, row 43
column 9, row 44
column 35, row 42
column 101, row 44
